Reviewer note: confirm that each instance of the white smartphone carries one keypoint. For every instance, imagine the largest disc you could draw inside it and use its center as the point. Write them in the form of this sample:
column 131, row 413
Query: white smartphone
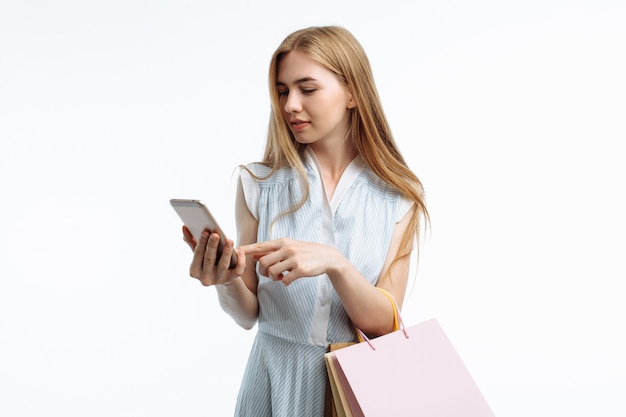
column 197, row 217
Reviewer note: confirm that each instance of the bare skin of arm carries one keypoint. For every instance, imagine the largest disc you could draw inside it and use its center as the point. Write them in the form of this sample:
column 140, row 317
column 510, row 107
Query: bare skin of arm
column 236, row 288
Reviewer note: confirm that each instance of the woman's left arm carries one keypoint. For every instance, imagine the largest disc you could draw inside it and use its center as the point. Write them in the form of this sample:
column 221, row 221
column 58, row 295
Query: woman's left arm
column 368, row 308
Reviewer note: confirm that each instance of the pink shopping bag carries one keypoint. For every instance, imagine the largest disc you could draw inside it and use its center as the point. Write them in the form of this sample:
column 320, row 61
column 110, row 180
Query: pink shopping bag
column 413, row 371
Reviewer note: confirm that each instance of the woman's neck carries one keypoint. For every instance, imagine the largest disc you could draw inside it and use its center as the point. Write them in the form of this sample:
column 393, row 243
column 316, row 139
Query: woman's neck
column 333, row 162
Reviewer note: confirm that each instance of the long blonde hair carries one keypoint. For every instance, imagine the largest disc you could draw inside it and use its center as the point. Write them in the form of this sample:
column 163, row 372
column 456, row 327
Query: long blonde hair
column 336, row 49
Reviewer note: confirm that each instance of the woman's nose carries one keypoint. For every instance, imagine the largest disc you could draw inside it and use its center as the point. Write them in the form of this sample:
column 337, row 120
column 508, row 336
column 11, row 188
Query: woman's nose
column 292, row 103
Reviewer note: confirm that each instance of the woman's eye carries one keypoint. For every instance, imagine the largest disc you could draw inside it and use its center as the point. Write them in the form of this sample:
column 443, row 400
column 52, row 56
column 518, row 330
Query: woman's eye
column 309, row 90
column 282, row 93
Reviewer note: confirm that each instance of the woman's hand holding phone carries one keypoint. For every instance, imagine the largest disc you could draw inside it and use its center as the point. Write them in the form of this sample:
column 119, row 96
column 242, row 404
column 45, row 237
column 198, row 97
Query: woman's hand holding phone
column 215, row 261
column 205, row 265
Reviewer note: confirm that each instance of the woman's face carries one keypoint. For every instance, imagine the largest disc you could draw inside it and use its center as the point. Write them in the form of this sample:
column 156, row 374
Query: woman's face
column 314, row 104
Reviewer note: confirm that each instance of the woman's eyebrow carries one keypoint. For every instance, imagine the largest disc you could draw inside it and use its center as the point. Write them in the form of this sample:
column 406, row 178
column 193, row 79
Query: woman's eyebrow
column 298, row 81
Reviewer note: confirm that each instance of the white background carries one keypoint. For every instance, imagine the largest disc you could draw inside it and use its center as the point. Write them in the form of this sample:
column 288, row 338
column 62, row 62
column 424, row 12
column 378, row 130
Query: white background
column 511, row 113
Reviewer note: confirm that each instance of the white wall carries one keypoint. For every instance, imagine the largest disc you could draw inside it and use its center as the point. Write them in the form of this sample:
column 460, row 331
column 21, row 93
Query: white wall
column 511, row 113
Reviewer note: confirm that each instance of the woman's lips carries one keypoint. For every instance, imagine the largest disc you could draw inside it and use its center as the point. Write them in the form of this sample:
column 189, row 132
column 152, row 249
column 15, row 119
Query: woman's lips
column 297, row 124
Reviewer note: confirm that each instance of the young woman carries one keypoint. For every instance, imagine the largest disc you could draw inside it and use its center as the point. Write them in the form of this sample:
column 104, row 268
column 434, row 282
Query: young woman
column 330, row 213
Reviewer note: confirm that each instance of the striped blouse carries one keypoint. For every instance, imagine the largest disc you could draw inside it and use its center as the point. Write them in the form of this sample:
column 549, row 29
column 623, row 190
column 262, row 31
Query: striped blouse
column 286, row 374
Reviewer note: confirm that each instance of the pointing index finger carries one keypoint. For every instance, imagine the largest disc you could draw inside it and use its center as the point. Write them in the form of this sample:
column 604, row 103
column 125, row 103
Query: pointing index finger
column 257, row 250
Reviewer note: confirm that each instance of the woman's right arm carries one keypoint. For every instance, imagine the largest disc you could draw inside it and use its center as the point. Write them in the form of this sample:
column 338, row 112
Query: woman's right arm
column 236, row 288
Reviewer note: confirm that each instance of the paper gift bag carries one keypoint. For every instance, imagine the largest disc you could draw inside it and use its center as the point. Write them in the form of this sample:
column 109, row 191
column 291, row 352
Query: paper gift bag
column 414, row 371
column 336, row 402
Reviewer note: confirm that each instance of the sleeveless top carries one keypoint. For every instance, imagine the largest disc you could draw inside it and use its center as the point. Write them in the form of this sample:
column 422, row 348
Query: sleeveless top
column 301, row 319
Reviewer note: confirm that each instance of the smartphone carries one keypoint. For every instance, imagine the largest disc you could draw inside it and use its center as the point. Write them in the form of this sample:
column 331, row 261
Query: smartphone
column 197, row 217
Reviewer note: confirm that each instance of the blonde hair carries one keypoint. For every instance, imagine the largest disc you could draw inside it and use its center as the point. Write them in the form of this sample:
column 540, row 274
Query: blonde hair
column 337, row 50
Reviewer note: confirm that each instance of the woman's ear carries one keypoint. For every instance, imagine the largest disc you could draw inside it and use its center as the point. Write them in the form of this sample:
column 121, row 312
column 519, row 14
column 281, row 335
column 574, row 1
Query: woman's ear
column 351, row 102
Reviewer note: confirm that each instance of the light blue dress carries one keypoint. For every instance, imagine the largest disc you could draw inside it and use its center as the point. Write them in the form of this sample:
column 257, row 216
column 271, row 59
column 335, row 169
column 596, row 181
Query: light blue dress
column 286, row 372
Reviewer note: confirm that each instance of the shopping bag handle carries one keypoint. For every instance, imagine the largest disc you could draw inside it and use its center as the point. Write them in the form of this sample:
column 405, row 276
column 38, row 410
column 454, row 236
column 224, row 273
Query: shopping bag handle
column 398, row 324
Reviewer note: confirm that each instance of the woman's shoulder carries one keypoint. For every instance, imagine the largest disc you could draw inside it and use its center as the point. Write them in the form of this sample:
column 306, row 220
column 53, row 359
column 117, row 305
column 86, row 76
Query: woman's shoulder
column 378, row 189
column 376, row 184
column 258, row 169
column 263, row 174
